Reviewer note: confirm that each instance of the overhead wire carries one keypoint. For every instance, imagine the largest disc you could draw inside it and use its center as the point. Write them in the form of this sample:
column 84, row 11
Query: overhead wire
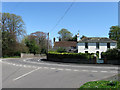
column 62, row 16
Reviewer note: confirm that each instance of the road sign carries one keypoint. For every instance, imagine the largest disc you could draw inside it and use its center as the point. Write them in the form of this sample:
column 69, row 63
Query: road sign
column 100, row 61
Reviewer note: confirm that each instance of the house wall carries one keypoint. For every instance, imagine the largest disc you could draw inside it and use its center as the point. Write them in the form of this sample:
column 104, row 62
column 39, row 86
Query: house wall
column 92, row 47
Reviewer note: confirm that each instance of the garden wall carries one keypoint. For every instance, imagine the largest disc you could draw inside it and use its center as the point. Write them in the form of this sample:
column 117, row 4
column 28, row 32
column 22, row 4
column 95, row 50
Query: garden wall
column 30, row 55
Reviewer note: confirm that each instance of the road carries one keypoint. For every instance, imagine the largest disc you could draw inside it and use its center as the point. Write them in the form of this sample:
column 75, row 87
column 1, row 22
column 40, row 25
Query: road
column 35, row 73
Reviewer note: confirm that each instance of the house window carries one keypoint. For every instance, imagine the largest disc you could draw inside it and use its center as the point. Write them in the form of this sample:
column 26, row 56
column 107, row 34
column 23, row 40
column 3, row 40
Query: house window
column 86, row 51
column 108, row 45
column 86, row 45
column 97, row 45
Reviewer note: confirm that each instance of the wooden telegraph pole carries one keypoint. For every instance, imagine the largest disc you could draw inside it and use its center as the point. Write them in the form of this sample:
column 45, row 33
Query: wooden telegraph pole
column 48, row 43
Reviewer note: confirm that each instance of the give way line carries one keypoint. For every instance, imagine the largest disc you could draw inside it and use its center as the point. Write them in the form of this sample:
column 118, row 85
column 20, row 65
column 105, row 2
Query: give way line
column 51, row 64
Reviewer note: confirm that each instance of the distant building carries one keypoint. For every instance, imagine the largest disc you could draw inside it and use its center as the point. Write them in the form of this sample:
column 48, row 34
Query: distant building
column 70, row 46
column 95, row 45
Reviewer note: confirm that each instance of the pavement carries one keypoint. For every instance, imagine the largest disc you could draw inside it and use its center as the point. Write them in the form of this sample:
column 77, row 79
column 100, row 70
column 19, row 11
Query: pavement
column 36, row 73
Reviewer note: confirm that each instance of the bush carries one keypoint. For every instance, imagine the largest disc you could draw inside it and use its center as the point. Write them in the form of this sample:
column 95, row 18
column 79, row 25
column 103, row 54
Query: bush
column 112, row 54
column 17, row 53
column 61, row 50
column 70, row 55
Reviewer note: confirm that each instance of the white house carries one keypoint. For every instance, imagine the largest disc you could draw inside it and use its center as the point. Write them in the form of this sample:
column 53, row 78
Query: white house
column 95, row 44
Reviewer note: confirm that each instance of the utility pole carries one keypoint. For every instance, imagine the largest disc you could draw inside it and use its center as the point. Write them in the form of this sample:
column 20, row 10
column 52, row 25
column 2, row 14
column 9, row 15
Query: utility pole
column 48, row 42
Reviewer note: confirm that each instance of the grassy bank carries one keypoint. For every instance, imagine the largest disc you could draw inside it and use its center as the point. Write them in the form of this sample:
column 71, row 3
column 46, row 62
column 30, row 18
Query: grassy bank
column 101, row 84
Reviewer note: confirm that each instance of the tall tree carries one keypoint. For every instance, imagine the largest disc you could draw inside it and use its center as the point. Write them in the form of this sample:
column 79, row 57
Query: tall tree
column 37, row 42
column 31, row 44
column 12, row 29
column 74, row 38
column 65, row 35
column 41, row 39
column 114, row 34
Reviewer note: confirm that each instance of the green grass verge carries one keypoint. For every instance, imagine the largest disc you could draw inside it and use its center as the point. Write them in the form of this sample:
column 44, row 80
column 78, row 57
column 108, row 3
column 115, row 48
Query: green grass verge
column 12, row 57
column 101, row 84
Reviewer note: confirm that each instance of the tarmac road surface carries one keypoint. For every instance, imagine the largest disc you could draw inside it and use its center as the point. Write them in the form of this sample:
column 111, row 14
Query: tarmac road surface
column 34, row 73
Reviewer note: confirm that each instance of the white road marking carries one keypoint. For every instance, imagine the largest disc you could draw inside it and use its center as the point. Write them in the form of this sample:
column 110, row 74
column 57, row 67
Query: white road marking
column 17, row 65
column 45, row 67
column 25, row 74
column 20, row 65
column 39, row 67
column 65, row 65
column 94, row 71
column 24, row 65
column 75, row 70
column 60, row 69
column 74, row 66
column 103, row 71
column 68, row 69
column 114, row 71
column 85, row 70
column 52, row 68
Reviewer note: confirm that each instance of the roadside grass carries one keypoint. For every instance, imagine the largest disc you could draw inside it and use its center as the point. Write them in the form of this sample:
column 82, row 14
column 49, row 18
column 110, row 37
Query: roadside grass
column 12, row 57
column 110, row 85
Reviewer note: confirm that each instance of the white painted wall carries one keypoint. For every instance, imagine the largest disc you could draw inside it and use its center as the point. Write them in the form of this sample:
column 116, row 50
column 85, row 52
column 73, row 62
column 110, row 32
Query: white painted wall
column 92, row 47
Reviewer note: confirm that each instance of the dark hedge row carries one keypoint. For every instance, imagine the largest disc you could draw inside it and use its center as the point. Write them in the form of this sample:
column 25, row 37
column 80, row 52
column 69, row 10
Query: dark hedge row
column 112, row 54
column 70, row 55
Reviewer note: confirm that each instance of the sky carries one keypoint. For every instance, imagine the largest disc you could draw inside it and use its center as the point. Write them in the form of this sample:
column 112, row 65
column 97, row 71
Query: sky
column 92, row 19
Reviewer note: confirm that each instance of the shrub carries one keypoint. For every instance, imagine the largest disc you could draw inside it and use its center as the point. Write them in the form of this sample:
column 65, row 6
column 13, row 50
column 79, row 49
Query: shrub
column 69, row 55
column 61, row 50
column 111, row 54
column 17, row 53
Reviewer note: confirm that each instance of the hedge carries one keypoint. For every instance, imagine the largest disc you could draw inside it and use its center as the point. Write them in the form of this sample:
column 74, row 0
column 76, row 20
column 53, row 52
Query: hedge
column 112, row 54
column 70, row 55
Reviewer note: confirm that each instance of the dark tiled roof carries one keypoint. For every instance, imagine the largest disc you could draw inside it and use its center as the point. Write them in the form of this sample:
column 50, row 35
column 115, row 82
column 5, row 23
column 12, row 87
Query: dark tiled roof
column 65, row 44
column 96, row 39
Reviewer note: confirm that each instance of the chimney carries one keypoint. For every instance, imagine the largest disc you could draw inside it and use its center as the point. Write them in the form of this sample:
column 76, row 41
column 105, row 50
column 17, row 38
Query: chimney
column 78, row 37
column 59, row 39
column 54, row 39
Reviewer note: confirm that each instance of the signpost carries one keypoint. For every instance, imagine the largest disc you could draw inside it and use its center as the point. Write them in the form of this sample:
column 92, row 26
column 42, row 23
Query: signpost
column 97, row 59
column 100, row 61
